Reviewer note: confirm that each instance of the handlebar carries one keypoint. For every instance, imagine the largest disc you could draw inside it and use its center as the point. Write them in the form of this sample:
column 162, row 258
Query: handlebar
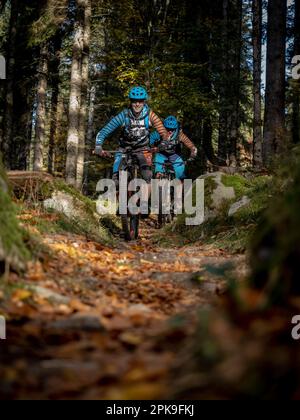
column 125, row 152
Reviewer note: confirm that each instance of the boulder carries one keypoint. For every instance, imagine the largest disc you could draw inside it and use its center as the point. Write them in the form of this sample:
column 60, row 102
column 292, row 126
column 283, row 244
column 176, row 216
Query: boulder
column 215, row 190
column 235, row 207
column 64, row 203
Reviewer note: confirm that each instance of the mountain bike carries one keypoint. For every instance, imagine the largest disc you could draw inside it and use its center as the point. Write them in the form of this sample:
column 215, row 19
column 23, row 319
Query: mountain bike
column 169, row 175
column 129, row 163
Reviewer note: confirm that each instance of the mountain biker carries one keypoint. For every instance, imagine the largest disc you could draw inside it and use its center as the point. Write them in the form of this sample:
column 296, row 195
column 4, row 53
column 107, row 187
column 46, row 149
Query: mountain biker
column 169, row 149
column 136, row 122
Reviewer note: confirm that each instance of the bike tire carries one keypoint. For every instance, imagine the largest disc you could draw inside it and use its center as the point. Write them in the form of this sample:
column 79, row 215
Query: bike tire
column 131, row 223
column 134, row 227
column 126, row 228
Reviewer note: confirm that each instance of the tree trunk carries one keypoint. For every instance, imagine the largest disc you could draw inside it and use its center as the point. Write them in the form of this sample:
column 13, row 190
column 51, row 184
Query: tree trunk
column 296, row 83
column 75, row 100
column 9, row 100
column 274, row 130
column 90, row 137
column 53, row 126
column 54, row 99
column 257, row 70
column 236, row 69
column 40, row 128
column 207, row 135
column 84, row 94
column 223, row 113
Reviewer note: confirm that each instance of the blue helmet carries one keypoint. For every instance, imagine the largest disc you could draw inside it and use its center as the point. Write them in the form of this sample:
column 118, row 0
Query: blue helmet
column 171, row 123
column 137, row 93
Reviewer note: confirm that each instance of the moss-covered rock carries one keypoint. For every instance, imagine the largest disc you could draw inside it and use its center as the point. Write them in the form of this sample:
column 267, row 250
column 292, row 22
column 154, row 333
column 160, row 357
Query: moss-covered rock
column 228, row 231
column 77, row 214
column 13, row 251
column 62, row 208
column 216, row 192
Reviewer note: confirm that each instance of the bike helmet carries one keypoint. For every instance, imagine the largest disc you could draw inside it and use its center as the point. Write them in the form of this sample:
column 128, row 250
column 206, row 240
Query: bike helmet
column 137, row 93
column 171, row 123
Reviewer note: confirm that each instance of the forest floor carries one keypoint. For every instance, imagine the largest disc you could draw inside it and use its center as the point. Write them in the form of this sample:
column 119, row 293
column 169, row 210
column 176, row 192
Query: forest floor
column 94, row 322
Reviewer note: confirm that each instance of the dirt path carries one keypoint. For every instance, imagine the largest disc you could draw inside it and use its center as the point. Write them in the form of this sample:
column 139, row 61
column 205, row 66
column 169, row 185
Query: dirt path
column 102, row 323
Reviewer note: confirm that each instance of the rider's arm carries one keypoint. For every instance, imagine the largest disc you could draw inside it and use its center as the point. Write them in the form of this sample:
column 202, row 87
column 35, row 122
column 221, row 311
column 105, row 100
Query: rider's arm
column 188, row 143
column 154, row 138
column 111, row 127
column 159, row 126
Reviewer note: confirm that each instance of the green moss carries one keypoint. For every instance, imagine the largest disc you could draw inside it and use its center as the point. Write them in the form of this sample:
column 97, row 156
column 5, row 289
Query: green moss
column 11, row 234
column 240, row 184
column 209, row 186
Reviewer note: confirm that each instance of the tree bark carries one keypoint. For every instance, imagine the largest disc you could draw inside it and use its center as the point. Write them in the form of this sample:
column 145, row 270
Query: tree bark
column 296, row 83
column 234, row 134
column 257, row 70
column 90, row 136
column 40, row 128
column 274, row 126
column 54, row 117
column 75, row 100
column 84, row 93
column 223, row 113
column 9, row 100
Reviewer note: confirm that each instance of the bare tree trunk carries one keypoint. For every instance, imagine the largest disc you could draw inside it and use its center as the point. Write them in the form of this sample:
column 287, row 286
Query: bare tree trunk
column 296, row 83
column 40, row 130
column 207, row 135
column 75, row 100
column 59, row 136
column 257, row 70
column 84, row 95
column 236, row 68
column 54, row 117
column 90, row 139
column 90, row 128
column 223, row 117
column 274, row 131
column 9, row 100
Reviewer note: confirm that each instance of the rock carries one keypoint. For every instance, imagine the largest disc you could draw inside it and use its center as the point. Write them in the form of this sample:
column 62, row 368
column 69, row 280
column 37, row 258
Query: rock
column 217, row 192
column 49, row 294
column 139, row 309
column 78, row 322
column 62, row 203
column 245, row 201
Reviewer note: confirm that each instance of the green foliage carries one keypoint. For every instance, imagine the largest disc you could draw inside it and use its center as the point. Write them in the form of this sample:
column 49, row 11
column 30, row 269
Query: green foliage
column 53, row 14
column 4, row 27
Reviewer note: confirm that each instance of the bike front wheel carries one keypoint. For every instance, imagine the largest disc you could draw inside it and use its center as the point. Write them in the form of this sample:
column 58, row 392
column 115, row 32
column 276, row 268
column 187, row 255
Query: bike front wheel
column 130, row 226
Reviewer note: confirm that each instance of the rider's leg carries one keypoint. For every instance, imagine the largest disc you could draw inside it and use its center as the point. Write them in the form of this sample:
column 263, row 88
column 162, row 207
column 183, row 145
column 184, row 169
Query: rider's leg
column 145, row 164
column 116, row 167
column 179, row 166
column 159, row 161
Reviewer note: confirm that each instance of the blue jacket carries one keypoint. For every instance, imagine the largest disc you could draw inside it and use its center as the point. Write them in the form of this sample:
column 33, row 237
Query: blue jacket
column 136, row 130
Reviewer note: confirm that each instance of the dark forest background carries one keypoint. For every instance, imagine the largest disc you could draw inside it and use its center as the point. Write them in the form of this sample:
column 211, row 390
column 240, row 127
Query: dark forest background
column 71, row 63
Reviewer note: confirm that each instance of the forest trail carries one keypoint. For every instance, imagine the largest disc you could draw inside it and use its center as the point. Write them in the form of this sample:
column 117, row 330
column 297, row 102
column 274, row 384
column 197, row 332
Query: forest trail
column 103, row 323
